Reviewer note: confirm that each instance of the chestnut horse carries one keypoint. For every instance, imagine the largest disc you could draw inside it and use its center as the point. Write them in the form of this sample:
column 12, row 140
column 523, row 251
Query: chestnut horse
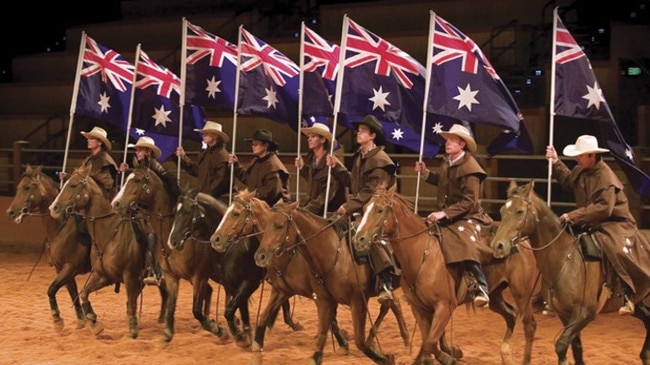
column 337, row 277
column 578, row 288
column 433, row 288
column 245, row 217
column 68, row 250
column 116, row 256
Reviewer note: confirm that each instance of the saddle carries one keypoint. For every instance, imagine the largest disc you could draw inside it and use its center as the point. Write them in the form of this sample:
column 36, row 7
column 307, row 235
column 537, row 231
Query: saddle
column 588, row 244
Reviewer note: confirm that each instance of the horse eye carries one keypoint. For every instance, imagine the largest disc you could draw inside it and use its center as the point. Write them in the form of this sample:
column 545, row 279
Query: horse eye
column 520, row 212
column 380, row 210
column 236, row 214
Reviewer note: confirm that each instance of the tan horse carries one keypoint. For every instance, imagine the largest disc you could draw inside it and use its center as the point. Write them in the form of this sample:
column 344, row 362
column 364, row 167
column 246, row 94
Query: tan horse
column 578, row 288
column 337, row 278
column 433, row 289
column 116, row 256
column 68, row 251
column 245, row 217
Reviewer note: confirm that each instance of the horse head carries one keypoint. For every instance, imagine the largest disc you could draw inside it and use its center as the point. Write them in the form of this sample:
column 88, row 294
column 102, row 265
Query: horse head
column 519, row 218
column 196, row 216
column 241, row 219
column 280, row 232
column 34, row 193
column 76, row 194
column 142, row 189
column 377, row 221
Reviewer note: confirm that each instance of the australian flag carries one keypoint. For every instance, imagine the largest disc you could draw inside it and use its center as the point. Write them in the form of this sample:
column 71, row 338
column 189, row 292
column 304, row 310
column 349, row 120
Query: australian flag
column 319, row 70
column 268, row 83
column 156, row 110
column 578, row 95
column 465, row 86
column 384, row 81
column 105, row 84
column 211, row 68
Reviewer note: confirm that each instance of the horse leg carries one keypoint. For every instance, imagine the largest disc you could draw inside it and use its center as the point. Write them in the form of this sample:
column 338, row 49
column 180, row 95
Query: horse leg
column 276, row 300
column 288, row 319
column 526, row 312
column 573, row 324
column 201, row 290
column 71, row 286
column 95, row 282
column 169, row 293
column 133, row 284
column 359, row 311
column 423, row 321
column 508, row 313
column 63, row 277
column 239, row 301
column 326, row 316
column 643, row 313
column 431, row 345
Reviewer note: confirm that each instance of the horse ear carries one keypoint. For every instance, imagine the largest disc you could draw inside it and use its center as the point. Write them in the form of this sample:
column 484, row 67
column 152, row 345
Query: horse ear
column 512, row 187
column 528, row 188
column 38, row 169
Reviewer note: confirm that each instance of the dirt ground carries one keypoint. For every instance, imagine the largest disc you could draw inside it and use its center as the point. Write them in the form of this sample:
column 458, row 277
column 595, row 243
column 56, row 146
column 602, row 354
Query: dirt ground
column 27, row 335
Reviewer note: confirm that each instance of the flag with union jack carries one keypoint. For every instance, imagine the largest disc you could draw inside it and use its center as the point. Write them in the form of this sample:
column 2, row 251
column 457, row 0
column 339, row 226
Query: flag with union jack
column 211, row 64
column 105, row 84
column 465, row 86
column 156, row 110
column 320, row 66
column 268, row 83
column 578, row 95
column 382, row 80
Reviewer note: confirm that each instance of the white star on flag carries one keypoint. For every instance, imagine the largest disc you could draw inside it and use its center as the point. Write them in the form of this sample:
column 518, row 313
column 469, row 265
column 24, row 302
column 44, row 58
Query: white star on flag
column 213, row 87
column 466, row 97
column 379, row 99
column 104, row 102
column 161, row 116
column 397, row 134
column 594, row 96
column 437, row 128
column 271, row 98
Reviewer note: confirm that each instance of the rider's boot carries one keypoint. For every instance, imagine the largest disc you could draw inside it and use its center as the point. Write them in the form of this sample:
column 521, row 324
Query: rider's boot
column 628, row 306
column 481, row 297
column 155, row 274
column 386, row 286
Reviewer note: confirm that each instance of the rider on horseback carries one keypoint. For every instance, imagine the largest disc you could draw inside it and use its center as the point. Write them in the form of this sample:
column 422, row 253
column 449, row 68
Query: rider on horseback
column 371, row 166
column 464, row 223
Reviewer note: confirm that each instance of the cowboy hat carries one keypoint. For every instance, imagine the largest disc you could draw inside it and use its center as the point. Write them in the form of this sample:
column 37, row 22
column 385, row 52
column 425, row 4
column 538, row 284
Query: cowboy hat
column 100, row 134
column 319, row 129
column 463, row 133
column 264, row 135
column 149, row 143
column 375, row 127
column 214, row 127
column 584, row 144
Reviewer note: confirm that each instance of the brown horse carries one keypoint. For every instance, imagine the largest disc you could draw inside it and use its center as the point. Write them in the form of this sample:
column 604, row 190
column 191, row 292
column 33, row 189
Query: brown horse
column 116, row 256
column 197, row 216
column 245, row 217
column 337, row 278
column 433, row 288
column 578, row 288
column 144, row 193
column 68, row 251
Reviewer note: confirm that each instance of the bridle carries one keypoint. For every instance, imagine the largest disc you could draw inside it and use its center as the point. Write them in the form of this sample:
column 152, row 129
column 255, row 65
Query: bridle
column 248, row 221
column 197, row 214
column 518, row 238
column 26, row 210
column 381, row 235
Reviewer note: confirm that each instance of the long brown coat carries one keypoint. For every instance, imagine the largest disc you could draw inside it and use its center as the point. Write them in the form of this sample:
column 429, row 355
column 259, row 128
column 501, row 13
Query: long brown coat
column 211, row 171
column 266, row 175
column 104, row 170
column 602, row 205
column 368, row 171
column 316, row 174
column 464, row 232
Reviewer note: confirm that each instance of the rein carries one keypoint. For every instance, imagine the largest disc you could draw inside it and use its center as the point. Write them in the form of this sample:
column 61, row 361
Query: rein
column 250, row 216
column 518, row 238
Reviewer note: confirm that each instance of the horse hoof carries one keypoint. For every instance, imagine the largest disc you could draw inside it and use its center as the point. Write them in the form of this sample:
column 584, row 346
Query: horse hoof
column 456, row 352
column 81, row 323
column 167, row 335
column 390, row 360
column 97, row 328
column 297, row 326
column 256, row 347
column 58, row 325
column 244, row 341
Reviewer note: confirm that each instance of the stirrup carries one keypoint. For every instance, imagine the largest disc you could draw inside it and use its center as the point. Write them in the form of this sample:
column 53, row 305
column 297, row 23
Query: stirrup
column 481, row 298
column 151, row 280
column 385, row 296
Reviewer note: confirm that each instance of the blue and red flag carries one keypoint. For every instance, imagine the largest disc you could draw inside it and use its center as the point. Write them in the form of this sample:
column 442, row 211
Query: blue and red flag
column 465, row 86
column 578, row 95
column 211, row 69
column 156, row 110
column 105, row 84
column 268, row 83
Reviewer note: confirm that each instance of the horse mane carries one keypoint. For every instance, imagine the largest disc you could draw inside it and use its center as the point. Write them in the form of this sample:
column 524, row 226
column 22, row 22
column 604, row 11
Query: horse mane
column 528, row 191
column 210, row 201
column 32, row 172
column 398, row 198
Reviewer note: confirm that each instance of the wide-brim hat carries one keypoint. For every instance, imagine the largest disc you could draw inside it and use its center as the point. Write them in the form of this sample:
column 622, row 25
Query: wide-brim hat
column 319, row 129
column 462, row 132
column 264, row 135
column 214, row 127
column 375, row 126
column 584, row 144
column 149, row 143
column 100, row 134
